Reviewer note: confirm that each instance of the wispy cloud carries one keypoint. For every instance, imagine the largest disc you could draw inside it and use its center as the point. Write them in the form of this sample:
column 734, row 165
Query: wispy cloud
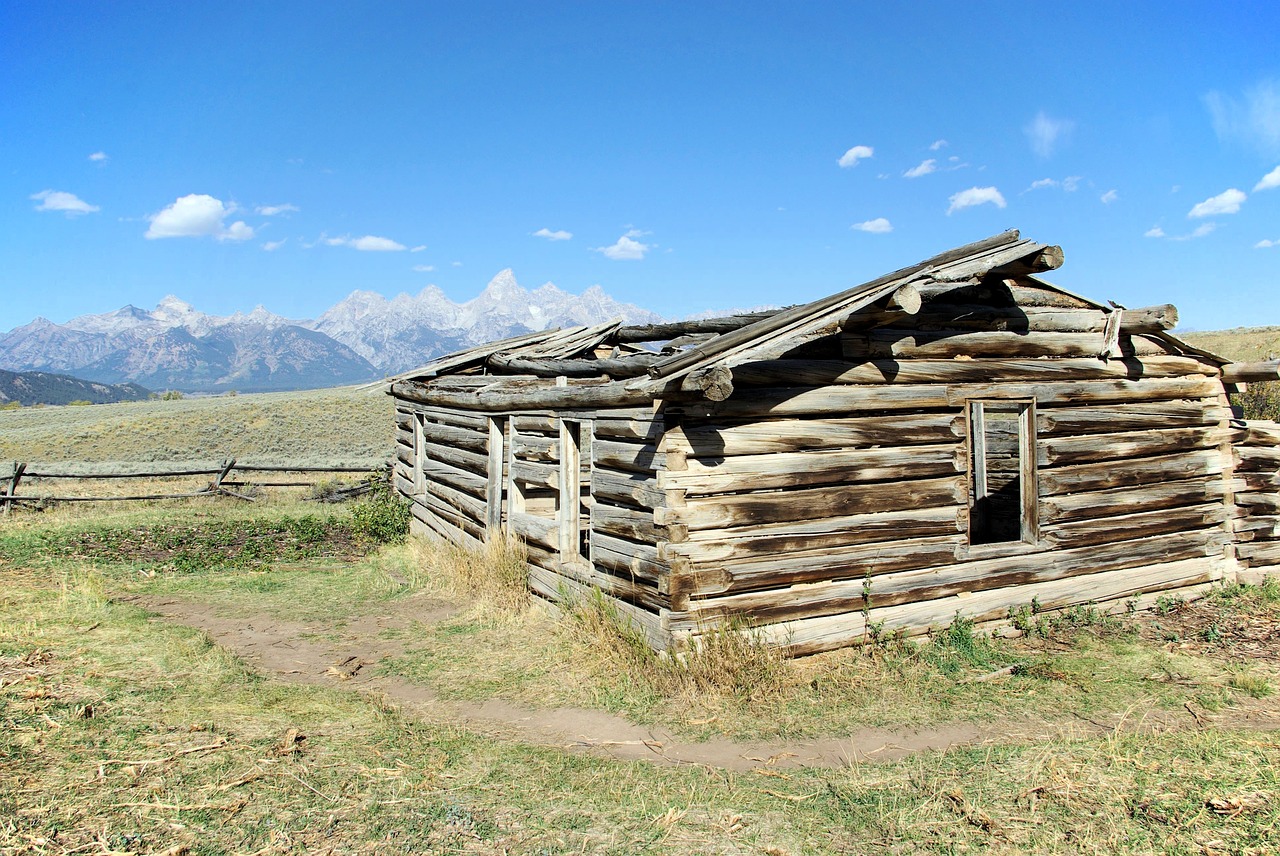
column 273, row 210
column 272, row 246
column 1253, row 119
column 1226, row 202
column 1045, row 133
column 975, row 196
column 1153, row 232
column 923, row 168
column 1038, row 184
column 1071, row 183
column 98, row 157
column 1199, row 232
column 424, row 268
column 626, row 248
column 557, row 235
column 855, row 154
column 60, row 200
column 1268, row 181
column 937, row 144
column 878, row 226
column 1109, row 197
column 1264, row 243
column 197, row 215
column 367, row 244
column 418, row 248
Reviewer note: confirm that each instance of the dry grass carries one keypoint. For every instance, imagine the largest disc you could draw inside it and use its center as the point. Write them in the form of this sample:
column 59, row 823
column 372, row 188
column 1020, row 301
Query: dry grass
column 492, row 578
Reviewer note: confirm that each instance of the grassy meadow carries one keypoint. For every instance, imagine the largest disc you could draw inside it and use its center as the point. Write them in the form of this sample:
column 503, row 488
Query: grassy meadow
column 125, row 733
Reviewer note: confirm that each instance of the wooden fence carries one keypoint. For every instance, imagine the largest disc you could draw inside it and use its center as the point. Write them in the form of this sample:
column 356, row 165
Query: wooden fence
column 221, row 485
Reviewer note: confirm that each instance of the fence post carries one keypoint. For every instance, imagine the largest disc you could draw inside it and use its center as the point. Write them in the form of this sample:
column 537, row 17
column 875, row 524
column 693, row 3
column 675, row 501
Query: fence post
column 227, row 465
column 18, row 470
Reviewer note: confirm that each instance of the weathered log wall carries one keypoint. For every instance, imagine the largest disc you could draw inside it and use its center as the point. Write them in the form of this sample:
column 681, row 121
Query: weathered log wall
column 826, row 497
column 1257, row 530
column 456, row 498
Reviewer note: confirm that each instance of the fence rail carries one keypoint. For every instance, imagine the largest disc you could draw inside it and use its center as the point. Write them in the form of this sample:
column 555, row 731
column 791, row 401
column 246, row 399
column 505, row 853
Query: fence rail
column 220, row 485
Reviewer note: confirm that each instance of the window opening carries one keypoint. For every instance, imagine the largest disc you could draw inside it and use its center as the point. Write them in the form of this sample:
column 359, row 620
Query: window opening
column 1002, row 472
column 574, row 506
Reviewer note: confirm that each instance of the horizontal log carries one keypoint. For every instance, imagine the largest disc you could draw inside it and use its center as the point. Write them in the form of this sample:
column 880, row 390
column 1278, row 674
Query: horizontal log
column 515, row 396
column 780, row 539
column 1258, row 457
column 810, row 636
column 886, row 342
column 1057, row 451
column 453, row 437
column 1143, row 471
column 1115, row 501
column 833, row 372
column 1147, row 415
column 632, row 365
column 1246, row 372
column 672, row 329
column 1265, row 502
column 1259, row 553
column 629, row 429
column 1261, row 432
column 536, row 447
column 465, row 503
column 798, row 469
column 999, row 293
column 455, row 456
column 794, row 435
column 632, row 457
column 1020, row 319
column 1142, row 524
column 454, row 477
column 626, row 488
column 620, row 522
column 1263, row 481
column 847, row 400
column 534, row 529
column 455, row 418
column 622, row 556
column 535, row 473
column 964, row 580
column 811, row 503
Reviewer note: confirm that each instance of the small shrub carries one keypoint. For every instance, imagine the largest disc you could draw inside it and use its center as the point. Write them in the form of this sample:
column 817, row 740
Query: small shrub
column 382, row 515
column 1260, row 401
column 958, row 647
column 1166, row 604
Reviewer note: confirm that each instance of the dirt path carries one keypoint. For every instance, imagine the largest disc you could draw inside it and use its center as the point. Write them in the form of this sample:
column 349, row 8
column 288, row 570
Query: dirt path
column 297, row 652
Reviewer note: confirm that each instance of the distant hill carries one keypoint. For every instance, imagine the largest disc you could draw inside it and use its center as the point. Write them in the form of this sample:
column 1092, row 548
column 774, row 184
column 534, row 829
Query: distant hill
column 1245, row 344
column 28, row 388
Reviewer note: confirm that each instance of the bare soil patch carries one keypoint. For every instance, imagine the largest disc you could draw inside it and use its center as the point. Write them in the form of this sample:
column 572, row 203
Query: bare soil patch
column 346, row 656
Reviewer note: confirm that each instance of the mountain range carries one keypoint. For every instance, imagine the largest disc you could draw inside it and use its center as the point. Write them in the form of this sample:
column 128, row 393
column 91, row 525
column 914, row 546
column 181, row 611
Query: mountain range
column 363, row 337
column 27, row 388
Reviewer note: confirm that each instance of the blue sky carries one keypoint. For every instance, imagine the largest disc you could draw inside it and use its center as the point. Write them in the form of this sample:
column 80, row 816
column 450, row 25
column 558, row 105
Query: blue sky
column 684, row 156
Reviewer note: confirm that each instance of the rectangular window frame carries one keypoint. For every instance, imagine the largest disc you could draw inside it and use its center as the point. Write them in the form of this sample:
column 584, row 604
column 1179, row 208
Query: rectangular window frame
column 1029, row 539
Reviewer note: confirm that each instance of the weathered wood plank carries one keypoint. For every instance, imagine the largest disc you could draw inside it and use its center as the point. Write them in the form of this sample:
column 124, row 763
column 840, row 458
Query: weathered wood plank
column 887, row 342
column 627, row 557
column 632, row 457
column 846, row 400
column 798, row 469
column 834, row 372
column 812, row 503
column 631, row 489
column 793, row 435
column 1059, row 451
column 452, row 437
column 1143, row 471
column 454, row 477
column 1142, row 524
column 1150, row 497
column 710, row 545
column 1131, row 417
column 619, row 522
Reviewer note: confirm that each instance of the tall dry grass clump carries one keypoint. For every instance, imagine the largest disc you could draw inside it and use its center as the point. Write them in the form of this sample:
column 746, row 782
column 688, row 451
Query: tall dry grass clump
column 493, row 575
column 731, row 661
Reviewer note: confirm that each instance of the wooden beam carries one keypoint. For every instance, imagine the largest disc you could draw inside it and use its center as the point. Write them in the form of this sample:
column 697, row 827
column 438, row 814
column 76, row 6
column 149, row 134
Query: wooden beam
column 1245, row 372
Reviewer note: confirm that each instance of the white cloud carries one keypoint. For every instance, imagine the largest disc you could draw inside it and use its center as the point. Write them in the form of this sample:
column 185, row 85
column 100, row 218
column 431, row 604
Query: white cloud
column 1043, row 182
column 626, row 248
column 557, row 235
column 1264, row 243
column 1109, row 197
column 923, row 168
column 60, row 200
column 1254, row 120
column 418, row 248
column 1153, row 232
column 975, row 196
column 1199, row 232
column 1268, row 181
column 1226, row 202
column 878, row 226
column 368, row 244
column 424, row 268
column 1045, row 133
column 272, row 246
column 273, row 210
column 1070, row 183
column 456, row 264
column 197, row 215
column 937, row 144
column 98, row 157
column 855, row 154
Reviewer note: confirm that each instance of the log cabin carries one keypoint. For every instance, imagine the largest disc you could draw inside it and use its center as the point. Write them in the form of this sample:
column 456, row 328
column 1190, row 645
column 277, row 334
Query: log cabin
column 959, row 437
